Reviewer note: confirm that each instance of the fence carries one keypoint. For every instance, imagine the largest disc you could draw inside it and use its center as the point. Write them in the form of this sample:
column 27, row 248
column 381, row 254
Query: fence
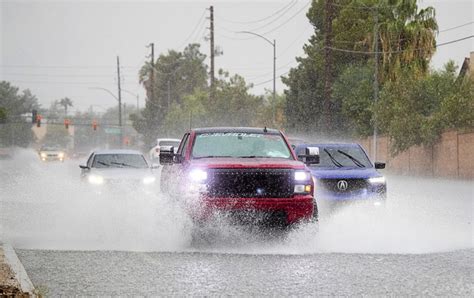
column 452, row 156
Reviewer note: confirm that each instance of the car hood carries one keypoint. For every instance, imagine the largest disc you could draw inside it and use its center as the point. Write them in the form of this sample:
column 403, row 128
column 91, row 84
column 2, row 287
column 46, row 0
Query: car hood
column 51, row 151
column 122, row 173
column 236, row 163
column 345, row 172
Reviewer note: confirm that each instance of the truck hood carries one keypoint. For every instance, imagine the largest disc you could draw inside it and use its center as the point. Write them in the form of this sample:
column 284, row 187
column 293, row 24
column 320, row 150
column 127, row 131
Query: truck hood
column 345, row 172
column 238, row 163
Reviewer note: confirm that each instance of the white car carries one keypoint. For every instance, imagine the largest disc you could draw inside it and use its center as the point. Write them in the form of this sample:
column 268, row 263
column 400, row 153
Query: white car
column 154, row 153
column 117, row 167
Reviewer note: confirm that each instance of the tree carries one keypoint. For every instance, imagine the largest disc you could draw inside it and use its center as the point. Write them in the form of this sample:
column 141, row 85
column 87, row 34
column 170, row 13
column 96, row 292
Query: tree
column 65, row 102
column 414, row 110
column 407, row 40
column 175, row 76
column 15, row 129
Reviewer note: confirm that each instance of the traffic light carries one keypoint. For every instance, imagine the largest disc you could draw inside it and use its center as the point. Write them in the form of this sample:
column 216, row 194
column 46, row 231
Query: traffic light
column 94, row 125
column 34, row 113
column 38, row 120
column 66, row 123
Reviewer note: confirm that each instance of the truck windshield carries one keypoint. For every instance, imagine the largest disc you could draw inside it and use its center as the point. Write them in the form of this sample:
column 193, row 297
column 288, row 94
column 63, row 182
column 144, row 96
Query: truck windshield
column 240, row 145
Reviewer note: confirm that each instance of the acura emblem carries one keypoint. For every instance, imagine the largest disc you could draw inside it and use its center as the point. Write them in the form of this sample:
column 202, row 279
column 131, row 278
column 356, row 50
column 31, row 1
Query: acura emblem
column 342, row 185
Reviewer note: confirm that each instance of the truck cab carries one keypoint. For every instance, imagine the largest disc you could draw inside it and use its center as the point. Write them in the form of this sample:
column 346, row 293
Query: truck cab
column 237, row 172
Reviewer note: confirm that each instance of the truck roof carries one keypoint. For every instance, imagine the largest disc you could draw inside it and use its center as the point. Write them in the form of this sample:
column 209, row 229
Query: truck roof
column 236, row 129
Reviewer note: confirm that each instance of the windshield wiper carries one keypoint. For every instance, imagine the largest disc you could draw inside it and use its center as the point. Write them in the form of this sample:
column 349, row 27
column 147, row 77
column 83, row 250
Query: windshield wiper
column 254, row 156
column 103, row 163
column 354, row 160
column 210, row 156
column 334, row 161
column 123, row 164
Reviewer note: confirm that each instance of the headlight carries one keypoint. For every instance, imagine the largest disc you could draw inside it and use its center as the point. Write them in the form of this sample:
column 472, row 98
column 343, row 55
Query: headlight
column 61, row 154
column 302, row 188
column 198, row 175
column 43, row 155
column 94, row 179
column 302, row 176
column 377, row 180
column 149, row 180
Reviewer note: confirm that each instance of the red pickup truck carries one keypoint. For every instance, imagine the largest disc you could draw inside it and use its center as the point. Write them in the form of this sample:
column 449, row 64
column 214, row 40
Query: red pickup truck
column 244, row 173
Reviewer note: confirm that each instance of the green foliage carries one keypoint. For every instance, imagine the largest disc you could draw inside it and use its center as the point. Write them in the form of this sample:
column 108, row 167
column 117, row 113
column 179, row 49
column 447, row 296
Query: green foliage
column 354, row 89
column 65, row 103
column 175, row 76
column 233, row 106
column 15, row 130
column 414, row 111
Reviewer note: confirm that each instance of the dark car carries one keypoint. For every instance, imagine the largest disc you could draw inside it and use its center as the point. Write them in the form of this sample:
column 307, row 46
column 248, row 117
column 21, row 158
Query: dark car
column 346, row 174
column 248, row 173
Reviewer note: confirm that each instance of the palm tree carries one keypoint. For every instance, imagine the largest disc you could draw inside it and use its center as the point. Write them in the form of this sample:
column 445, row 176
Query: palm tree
column 65, row 102
column 407, row 37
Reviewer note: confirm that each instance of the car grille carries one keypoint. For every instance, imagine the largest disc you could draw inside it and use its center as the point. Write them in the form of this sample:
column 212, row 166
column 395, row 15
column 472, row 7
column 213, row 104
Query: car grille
column 250, row 183
column 352, row 184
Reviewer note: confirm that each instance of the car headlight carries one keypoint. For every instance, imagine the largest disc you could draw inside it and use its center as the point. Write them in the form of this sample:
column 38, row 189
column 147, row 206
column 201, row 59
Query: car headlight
column 302, row 176
column 94, row 179
column 61, row 154
column 198, row 175
column 377, row 180
column 43, row 155
column 149, row 180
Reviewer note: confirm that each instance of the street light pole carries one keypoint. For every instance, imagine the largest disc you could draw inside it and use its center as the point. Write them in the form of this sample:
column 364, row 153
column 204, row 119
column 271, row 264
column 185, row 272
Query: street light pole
column 134, row 94
column 274, row 68
column 119, row 108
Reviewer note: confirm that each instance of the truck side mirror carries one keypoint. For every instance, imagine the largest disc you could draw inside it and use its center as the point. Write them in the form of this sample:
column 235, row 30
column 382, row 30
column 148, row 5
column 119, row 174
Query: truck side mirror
column 311, row 156
column 166, row 155
column 379, row 165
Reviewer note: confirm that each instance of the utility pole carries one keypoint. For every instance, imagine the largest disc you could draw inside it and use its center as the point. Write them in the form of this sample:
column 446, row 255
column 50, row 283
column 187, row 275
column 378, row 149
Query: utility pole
column 274, row 80
column 273, row 44
column 169, row 95
column 152, row 74
column 328, row 64
column 211, row 28
column 376, row 81
column 119, row 101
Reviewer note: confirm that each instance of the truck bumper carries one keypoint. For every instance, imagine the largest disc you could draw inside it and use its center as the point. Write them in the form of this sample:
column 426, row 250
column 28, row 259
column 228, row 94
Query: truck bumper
column 292, row 210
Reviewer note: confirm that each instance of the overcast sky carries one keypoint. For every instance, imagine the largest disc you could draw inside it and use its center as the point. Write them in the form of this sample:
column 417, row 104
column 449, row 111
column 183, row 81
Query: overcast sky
column 65, row 48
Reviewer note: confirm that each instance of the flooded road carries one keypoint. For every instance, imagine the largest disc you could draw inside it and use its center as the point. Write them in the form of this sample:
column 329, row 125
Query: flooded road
column 75, row 240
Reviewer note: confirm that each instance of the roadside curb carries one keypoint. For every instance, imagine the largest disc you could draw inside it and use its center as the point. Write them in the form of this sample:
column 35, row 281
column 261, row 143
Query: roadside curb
column 11, row 259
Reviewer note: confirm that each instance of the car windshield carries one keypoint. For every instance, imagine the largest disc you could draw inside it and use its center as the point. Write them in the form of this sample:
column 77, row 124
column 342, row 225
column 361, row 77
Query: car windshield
column 50, row 148
column 119, row 161
column 337, row 157
column 238, row 144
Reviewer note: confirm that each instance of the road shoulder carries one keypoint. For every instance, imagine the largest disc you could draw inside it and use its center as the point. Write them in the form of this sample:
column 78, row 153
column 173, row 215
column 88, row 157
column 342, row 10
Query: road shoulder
column 14, row 280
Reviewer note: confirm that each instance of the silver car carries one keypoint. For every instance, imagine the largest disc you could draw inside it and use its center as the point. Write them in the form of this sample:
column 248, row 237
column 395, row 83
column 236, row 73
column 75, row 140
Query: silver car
column 117, row 168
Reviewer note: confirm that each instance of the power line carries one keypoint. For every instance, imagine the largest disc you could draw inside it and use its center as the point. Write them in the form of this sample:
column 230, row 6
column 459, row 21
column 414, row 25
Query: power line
column 271, row 80
column 397, row 51
column 275, row 19
column 260, row 20
column 456, row 27
column 289, row 19
column 61, row 66
column 198, row 24
column 269, row 31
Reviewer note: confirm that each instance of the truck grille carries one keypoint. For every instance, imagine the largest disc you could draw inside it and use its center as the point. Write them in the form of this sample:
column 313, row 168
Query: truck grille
column 352, row 184
column 250, row 183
